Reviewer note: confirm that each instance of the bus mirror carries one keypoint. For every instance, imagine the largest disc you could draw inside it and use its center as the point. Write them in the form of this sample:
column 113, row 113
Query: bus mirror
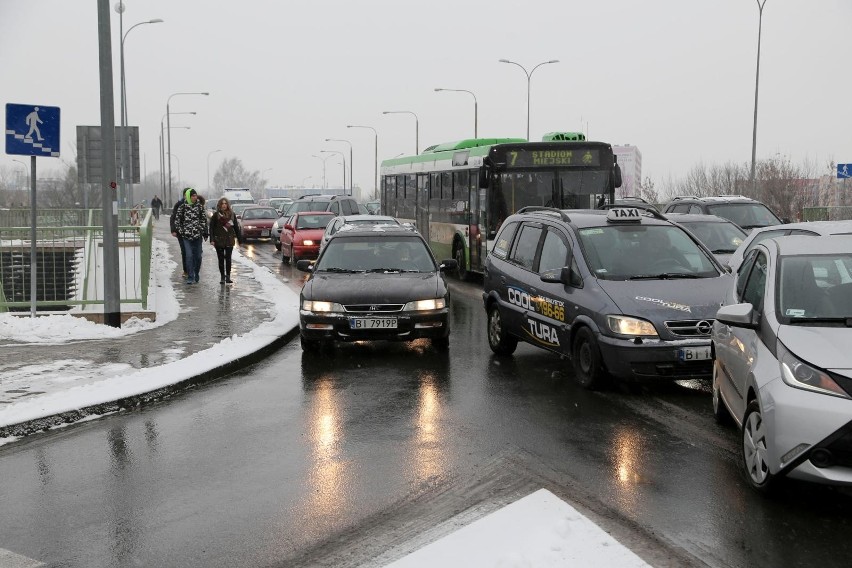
column 483, row 177
column 616, row 176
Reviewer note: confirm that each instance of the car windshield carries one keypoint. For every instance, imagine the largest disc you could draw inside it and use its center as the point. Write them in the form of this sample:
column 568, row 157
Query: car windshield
column 260, row 213
column 238, row 208
column 625, row 252
column 746, row 215
column 376, row 254
column 816, row 287
column 720, row 238
column 313, row 221
column 299, row 206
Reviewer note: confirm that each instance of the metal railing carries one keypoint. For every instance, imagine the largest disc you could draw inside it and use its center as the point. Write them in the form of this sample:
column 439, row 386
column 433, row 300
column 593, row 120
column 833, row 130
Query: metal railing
column 69, row 260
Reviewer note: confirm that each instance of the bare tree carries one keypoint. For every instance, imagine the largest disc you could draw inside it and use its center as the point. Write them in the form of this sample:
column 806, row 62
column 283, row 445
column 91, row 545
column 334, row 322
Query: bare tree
column 232, row 173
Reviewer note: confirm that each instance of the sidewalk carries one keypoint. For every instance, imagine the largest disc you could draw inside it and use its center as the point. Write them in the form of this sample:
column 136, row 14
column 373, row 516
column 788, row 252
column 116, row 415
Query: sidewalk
column 202, row 332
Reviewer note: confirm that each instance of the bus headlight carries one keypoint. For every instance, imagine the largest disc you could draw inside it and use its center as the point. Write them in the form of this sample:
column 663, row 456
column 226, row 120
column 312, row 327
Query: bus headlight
column 624, row 325
column 425, row 305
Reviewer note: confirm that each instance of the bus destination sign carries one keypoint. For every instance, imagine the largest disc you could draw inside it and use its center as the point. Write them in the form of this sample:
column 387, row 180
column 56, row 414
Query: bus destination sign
column 552, row 157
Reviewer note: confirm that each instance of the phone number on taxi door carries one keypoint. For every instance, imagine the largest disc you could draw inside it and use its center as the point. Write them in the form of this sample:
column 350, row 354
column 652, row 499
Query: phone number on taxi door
column 548, row 307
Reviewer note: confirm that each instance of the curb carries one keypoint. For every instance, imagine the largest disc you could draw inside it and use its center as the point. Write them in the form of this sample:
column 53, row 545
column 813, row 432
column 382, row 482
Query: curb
column 47, row 423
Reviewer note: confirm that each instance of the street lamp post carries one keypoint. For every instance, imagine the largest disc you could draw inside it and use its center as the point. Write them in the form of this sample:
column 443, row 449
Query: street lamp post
column 475, row 108
column 125, row 136
column 176, row 158
column 306, row 179
column 208, row 168
column 529, row 77
column 163, row 154
column 324, row 185
column 26, row 171
column 351, row 161
column 169, row 134
column 343, row 157
column 760, row 6
column 416, row 127
column 375, row 159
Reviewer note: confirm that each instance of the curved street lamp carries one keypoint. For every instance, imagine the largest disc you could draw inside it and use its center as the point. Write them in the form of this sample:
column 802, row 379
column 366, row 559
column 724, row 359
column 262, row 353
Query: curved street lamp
column 163, row 154
column 475, row 107
column 375, row 159
column 760, row 6
column 169, row 134
column 26, row 171
column 529, row 77
column 351, row 160
column 416, row 127
column 324, row 186
column 125, row 136
column 343, row 156
column 208, row 167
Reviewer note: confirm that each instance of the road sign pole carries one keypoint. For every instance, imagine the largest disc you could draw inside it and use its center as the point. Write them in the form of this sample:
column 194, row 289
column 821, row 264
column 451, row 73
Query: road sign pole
column 33, row 266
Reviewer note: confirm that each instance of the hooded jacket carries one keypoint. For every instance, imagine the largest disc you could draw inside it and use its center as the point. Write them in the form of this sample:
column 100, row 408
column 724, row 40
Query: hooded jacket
column 191, row 222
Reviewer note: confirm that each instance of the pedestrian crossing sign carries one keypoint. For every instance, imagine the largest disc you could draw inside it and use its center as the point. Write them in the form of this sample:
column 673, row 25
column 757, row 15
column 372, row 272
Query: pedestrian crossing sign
column 32, row 130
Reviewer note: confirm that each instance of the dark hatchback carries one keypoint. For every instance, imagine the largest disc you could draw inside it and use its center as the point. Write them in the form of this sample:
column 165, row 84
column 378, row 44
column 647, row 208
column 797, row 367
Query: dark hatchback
column 375, row 284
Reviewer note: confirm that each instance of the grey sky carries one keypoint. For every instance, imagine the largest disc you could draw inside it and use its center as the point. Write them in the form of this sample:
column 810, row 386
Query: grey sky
column 673, row 77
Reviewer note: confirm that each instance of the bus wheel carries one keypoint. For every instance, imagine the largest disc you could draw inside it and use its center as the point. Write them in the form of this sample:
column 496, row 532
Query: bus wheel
column 458, row 254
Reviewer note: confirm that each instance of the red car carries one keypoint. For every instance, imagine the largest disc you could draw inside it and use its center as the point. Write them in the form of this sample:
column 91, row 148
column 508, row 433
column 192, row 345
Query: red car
column 302, row 233
column 256, row 222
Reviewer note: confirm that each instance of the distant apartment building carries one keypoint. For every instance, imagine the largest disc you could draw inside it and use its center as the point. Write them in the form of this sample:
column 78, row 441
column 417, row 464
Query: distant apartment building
column 630, row 161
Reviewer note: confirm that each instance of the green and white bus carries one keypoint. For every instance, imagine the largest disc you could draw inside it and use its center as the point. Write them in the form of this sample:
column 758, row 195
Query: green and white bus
column 457, row 194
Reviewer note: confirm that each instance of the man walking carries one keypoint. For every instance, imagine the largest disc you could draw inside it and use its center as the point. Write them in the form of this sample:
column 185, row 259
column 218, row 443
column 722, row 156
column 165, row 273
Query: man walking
column 174, row 230
column 192, row 227
column 156, row 205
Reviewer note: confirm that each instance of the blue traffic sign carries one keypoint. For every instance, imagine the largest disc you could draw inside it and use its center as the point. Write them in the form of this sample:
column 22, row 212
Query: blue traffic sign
column 32, row 130
column 844, row 171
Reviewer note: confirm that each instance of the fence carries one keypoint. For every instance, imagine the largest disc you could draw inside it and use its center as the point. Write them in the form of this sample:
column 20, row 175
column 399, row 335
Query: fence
column 838, row 213
column 70, row 259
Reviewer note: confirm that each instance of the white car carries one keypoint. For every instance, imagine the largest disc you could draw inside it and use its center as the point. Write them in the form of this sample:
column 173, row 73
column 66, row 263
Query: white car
column 360, row 220
column 782, row 360
column 810, row 229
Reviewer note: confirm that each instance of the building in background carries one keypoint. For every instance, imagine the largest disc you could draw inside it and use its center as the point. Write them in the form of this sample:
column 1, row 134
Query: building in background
column 630, row 161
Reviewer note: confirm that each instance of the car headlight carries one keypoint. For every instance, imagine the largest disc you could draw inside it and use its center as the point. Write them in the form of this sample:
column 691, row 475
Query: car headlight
column 624, row 325
column 317, row 306
column 307, row 242
column 425, row 305
column 275, row 225
column 250, row 227
column 800, row 375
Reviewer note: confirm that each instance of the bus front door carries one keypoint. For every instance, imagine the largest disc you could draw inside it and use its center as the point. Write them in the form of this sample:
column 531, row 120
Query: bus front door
column 421, row 218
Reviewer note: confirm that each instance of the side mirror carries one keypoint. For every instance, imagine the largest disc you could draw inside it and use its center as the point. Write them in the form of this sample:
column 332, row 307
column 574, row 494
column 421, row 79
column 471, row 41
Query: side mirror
column 449, row 264
column 305, row 265
column 288, row 226
column 563, row 276
column 616, row 176
column 738, row 315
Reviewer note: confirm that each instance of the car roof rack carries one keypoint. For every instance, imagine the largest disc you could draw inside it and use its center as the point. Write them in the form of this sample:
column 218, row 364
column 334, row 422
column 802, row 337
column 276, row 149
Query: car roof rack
column 677, row 197
column 535, row 208
column 647, row 208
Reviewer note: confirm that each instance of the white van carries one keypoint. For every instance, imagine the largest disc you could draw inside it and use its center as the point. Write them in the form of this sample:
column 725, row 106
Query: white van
column 240, row 198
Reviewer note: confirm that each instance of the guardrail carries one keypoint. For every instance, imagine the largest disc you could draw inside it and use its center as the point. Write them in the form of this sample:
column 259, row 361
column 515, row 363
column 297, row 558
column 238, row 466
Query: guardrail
column 69, row 261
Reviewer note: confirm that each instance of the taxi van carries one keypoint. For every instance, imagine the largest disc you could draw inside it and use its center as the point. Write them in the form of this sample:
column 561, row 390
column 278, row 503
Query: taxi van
column 623, row 292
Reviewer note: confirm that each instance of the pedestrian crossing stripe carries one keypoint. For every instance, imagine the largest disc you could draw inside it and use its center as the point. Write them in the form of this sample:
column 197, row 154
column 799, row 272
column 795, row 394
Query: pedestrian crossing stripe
column 38, row 145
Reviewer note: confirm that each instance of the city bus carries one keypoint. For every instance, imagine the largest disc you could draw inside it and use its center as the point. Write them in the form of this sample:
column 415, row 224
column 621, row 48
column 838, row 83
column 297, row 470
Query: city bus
column 457, row 194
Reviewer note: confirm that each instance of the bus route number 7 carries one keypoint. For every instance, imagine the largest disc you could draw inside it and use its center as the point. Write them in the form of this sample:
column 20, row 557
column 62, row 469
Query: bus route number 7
column 514, row 157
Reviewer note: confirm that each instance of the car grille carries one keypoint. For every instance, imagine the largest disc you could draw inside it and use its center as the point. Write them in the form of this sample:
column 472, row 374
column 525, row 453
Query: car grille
column 690, row 328
column 373, row 308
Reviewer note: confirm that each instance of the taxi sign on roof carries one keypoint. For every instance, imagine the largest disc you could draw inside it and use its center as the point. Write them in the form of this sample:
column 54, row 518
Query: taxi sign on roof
column 624, row 214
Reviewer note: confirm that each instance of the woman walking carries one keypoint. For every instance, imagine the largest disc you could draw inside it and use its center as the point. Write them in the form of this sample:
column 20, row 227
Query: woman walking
column 224, row 234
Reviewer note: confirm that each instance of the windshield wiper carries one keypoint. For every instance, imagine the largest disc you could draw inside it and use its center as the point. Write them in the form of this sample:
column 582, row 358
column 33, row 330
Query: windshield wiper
column 385, row 270
column 723, row 251
column 801, row 319
column 664, row 276
column 339, row 270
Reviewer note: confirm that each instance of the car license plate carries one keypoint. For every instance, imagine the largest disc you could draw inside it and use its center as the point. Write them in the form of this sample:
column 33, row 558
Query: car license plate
column 264, row 233
column 372, row 323
column 694, row 353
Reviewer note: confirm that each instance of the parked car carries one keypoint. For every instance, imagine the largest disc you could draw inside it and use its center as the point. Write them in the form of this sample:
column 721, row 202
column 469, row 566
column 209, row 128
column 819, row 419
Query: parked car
column 359, row 221
column 301, row 235
column 380, row 283
column 718, row 234
column 811, row 229
column 746, row 212
column 623, row 292
column 256, row 222
column 782, row 363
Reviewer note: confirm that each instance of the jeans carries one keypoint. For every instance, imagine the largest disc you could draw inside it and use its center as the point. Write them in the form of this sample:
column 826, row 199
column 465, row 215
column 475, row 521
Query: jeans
column 192, row 251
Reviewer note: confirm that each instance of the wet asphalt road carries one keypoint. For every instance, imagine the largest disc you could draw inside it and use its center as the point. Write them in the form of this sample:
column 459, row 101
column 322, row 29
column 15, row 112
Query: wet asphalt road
column 343, row 460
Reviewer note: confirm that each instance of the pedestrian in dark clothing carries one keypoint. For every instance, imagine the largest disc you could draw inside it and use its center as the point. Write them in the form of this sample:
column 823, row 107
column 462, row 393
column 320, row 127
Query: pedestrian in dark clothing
column 156, row 205
column 191, row 224
column 176, row 234
column 224, row 235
